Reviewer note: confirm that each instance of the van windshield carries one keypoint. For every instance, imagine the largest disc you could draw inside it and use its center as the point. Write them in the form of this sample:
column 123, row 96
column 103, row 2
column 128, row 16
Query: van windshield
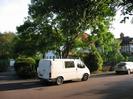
column 121, row 64
column 81, row 66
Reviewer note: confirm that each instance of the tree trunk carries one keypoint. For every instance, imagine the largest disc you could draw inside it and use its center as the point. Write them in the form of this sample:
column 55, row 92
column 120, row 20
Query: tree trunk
column 68, row 46
column 66, row 51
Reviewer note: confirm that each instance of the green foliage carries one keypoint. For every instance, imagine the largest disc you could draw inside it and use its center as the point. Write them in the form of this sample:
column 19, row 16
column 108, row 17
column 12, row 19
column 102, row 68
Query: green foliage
column 98, row 58
column 4, row 64
column 110, row 48
column 25, row 67
column 52, row 23
column 6, row 45
column 107, row 45
column 127, row 56
column 24, row 47
column 37, row 58
column 94, row 60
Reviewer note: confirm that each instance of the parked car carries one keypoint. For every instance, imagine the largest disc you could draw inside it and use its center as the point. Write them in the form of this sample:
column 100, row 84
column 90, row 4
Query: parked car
column 126, row 67
column 59, row 70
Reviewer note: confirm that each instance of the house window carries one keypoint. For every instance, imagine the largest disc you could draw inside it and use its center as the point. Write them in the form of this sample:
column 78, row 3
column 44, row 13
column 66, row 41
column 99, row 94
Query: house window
column 131, row 49
column 69, row 64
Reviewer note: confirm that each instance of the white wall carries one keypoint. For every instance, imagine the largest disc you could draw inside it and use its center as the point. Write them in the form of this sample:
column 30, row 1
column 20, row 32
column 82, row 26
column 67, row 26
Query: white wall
column 12, row 61
column 50, row 55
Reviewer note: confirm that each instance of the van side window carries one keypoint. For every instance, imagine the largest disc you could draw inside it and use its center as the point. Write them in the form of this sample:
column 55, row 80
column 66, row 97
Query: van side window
column 81, row 66
column 69, row 64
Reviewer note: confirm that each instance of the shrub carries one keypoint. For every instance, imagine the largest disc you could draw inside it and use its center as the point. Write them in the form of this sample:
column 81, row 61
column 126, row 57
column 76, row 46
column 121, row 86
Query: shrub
column 37, row 59
column 25, row 67
column 93, row 61
column 4, row 63
column 99, row 61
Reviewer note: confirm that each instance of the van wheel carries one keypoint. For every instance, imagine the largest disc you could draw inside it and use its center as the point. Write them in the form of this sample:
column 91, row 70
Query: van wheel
column 85, row 77
column 59, row 80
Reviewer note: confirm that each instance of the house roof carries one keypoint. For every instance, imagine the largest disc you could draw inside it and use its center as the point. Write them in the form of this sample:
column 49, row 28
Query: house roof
column 126, row 40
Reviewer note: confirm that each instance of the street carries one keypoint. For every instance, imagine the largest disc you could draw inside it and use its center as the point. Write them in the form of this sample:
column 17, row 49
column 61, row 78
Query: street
column 109, row 86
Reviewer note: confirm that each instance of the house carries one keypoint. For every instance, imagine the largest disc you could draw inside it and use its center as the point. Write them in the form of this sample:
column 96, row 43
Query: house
column 50, row 55
column 126, row 44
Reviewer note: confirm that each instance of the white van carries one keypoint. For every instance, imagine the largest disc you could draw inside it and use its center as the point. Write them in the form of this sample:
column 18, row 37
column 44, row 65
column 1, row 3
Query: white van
column 124, row 67
column 59, row 70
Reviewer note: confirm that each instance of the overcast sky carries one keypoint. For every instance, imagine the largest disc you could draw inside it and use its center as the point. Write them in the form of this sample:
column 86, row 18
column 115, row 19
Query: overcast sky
column 13, row 12
column 126, row 28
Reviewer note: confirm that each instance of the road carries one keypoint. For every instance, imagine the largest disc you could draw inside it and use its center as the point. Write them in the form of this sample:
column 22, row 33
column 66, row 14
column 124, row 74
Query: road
column 109, row 86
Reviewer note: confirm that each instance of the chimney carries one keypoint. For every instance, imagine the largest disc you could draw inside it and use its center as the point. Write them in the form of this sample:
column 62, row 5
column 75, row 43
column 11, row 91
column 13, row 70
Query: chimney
column 122, row 35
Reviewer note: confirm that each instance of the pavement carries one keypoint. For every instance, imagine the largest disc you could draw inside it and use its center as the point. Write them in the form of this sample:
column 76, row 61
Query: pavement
column 10, row 74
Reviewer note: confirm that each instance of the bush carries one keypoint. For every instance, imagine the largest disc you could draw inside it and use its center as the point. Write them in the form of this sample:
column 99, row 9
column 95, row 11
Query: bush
column 4, row 63
column 99, row 60
column 93, row 61
column 25, row 67
column 37, row 59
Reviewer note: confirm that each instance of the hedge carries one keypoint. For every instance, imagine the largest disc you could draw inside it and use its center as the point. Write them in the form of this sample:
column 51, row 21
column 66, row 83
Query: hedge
column 25, row 67
column 4, row 63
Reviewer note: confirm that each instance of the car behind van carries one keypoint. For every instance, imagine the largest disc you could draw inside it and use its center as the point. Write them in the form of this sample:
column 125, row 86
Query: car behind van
column 126, row 67
column 59, row 70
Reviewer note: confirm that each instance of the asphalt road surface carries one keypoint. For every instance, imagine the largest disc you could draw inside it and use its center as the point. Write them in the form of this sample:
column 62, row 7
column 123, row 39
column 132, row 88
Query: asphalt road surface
column 108, row 86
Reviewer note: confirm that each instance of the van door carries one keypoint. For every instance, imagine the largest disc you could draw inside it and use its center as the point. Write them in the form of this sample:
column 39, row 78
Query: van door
column 81, row 70
column 70, row 72
column 45, row 69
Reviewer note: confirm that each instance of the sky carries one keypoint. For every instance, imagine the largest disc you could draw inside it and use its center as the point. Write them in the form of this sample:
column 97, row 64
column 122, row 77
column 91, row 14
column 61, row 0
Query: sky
column 118, row 28
column 13, row 13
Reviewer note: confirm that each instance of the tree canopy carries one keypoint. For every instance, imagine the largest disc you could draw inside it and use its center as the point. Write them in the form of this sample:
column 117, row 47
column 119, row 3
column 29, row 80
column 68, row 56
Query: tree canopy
column 6, row 45
column 55, row 23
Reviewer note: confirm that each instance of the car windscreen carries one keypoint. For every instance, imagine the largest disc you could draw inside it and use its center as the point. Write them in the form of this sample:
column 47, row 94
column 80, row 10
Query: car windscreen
column 121, row 64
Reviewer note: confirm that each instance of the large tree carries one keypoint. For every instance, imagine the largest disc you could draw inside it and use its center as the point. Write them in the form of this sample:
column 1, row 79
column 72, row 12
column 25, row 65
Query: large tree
column 55, row 23
column 107, row 44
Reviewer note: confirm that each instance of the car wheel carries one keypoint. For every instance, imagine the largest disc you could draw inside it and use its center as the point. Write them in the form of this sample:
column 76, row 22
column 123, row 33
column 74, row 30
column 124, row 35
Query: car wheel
column 129, row 72
column 85, row 77
column 59, row 80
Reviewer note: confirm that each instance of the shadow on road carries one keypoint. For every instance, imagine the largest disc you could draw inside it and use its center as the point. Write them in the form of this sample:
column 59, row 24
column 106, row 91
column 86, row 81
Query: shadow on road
column 20, row 85
column 105, row 74
column 27, row 84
